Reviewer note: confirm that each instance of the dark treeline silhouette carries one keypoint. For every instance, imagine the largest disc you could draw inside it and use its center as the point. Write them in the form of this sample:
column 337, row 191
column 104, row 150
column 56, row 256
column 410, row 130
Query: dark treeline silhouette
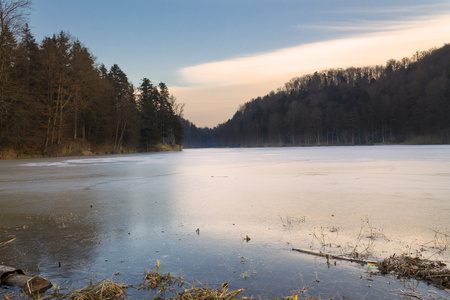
column 54, row 95
column 195, row 137
column 403, row 101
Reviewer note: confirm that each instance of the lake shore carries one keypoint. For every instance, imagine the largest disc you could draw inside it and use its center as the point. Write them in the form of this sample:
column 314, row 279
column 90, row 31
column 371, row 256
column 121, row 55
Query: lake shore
column 168, row 286
column 76, row 149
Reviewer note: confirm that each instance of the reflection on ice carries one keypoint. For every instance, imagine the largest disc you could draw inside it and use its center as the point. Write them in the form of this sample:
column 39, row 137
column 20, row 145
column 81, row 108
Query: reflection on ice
column 46, row 164
column 116, row 159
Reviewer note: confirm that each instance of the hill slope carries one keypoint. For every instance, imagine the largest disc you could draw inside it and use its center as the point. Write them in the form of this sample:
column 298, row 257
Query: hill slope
column 403, row 101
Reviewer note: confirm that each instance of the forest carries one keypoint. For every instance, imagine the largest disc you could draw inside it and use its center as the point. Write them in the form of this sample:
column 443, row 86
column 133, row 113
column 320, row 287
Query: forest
column 405, row 101
column 55, row 99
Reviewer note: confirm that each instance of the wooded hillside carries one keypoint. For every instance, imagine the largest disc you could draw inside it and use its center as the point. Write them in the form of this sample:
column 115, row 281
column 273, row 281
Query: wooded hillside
column 55, row 99
column 404, row 101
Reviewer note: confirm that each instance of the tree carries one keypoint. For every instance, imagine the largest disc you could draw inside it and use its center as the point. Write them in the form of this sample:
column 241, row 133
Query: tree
column 56, row 88
column 125, row 109
column 169, row 121
column 13, row 15
column 84, row 79
column 160, row 115
column 26, row 69
column 164, row 111
column 147, row 100
column 8, row 88
column 52, row 94
column 176, row 130
column 389, row 104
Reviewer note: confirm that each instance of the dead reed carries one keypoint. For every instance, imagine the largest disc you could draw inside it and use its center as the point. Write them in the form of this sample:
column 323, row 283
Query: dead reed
column 103, row 290
column 205, row 293
column 433, row 272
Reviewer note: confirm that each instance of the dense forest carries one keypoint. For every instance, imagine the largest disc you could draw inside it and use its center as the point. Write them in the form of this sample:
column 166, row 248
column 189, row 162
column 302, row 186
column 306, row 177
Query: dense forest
column 55, row 99
column 405, row 101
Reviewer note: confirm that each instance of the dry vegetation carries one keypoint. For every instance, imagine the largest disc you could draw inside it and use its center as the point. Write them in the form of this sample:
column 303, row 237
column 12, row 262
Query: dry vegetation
column 167, row 286
column 160, row 287
column 76, row 149
column 106, row 289
column 433, row 272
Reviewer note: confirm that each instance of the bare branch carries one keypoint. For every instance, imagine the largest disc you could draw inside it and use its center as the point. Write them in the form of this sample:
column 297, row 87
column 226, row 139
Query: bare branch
column 13, row 15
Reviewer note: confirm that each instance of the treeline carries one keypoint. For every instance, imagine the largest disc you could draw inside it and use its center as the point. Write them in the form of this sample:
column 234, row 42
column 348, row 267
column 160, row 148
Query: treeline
column 406, row 100
column 195, row 137
column 54, row 94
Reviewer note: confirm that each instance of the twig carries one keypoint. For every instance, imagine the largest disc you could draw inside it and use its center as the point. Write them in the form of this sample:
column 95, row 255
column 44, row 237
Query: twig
column 328, row 256
column 7, row 242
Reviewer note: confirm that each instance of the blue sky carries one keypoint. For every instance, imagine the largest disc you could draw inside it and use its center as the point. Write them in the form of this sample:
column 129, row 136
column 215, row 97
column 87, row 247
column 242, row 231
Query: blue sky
column 217, row 54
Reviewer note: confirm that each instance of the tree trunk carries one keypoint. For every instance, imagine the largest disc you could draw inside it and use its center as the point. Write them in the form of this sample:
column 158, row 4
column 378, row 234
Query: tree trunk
column 47, row 135
column 60, row 124
column 83, row 133
column 116, row 139
column 121, row 134
column 30, row 285
column 75, row 122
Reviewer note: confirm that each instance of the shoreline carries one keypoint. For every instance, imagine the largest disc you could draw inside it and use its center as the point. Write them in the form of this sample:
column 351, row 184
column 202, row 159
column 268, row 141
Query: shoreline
column 74, row 149
column 403, row 267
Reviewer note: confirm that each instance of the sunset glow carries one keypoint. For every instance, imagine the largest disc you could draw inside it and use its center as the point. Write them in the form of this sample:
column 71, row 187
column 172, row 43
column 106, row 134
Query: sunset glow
column 216, row 89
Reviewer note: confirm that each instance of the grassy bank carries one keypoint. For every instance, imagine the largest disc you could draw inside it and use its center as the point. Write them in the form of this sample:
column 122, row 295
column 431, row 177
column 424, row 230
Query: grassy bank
column 77, row 149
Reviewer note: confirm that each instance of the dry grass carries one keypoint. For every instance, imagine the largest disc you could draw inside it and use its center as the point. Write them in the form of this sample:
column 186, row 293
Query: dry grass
column 8, row 153
column 433, row 272
column 441, row 241
column 365, row 241
column 75, row 148
column 167, row 286
column 205, row 293
column 160, row 283
column 160, row 147
column 103, row 290
column 171, row 287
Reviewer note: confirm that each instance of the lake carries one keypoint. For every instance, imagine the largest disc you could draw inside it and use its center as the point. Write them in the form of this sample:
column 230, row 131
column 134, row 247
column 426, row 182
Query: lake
column 112, row 216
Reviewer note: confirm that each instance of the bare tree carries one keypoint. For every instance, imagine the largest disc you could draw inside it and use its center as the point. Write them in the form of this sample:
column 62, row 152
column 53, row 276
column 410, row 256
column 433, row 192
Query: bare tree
column 178, row 108
column 13, row 15
column 12, row 18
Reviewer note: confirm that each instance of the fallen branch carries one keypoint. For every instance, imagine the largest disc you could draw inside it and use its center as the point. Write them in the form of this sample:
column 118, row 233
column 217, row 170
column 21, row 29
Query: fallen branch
column 433, row 272
column 332, row 256
column 7, row 242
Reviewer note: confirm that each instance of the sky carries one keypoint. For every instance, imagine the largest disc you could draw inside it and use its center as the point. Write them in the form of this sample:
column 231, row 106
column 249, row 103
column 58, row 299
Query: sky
column 215, row 55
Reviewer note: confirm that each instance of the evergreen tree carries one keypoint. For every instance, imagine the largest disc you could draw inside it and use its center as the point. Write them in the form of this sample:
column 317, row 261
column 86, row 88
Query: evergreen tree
column 8, row 86
column 125, row 109
column 148, row 97
column 52, row 94
column 164, row 112
column 26, row 69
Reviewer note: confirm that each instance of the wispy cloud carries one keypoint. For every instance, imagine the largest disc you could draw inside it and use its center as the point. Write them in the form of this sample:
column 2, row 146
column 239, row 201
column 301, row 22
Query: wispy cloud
column 360, row 26
column 412, row 16
column 219, row 87
column 417, row 10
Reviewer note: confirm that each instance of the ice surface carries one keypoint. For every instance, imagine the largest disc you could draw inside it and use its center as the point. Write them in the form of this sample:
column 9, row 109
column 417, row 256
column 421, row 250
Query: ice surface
column 123, row 212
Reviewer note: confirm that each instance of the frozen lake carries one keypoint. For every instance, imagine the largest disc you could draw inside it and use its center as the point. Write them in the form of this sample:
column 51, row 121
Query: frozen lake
column 104, row 215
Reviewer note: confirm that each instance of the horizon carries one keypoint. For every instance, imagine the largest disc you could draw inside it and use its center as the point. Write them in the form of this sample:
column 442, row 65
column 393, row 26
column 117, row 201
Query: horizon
column 214, row 57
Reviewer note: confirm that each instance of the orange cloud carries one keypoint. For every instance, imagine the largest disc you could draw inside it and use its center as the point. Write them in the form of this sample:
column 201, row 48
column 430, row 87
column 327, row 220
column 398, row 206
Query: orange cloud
column 216, row 89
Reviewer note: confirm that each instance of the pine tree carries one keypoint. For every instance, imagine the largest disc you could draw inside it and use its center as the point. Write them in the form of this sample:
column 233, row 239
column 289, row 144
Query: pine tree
column 148, row 103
